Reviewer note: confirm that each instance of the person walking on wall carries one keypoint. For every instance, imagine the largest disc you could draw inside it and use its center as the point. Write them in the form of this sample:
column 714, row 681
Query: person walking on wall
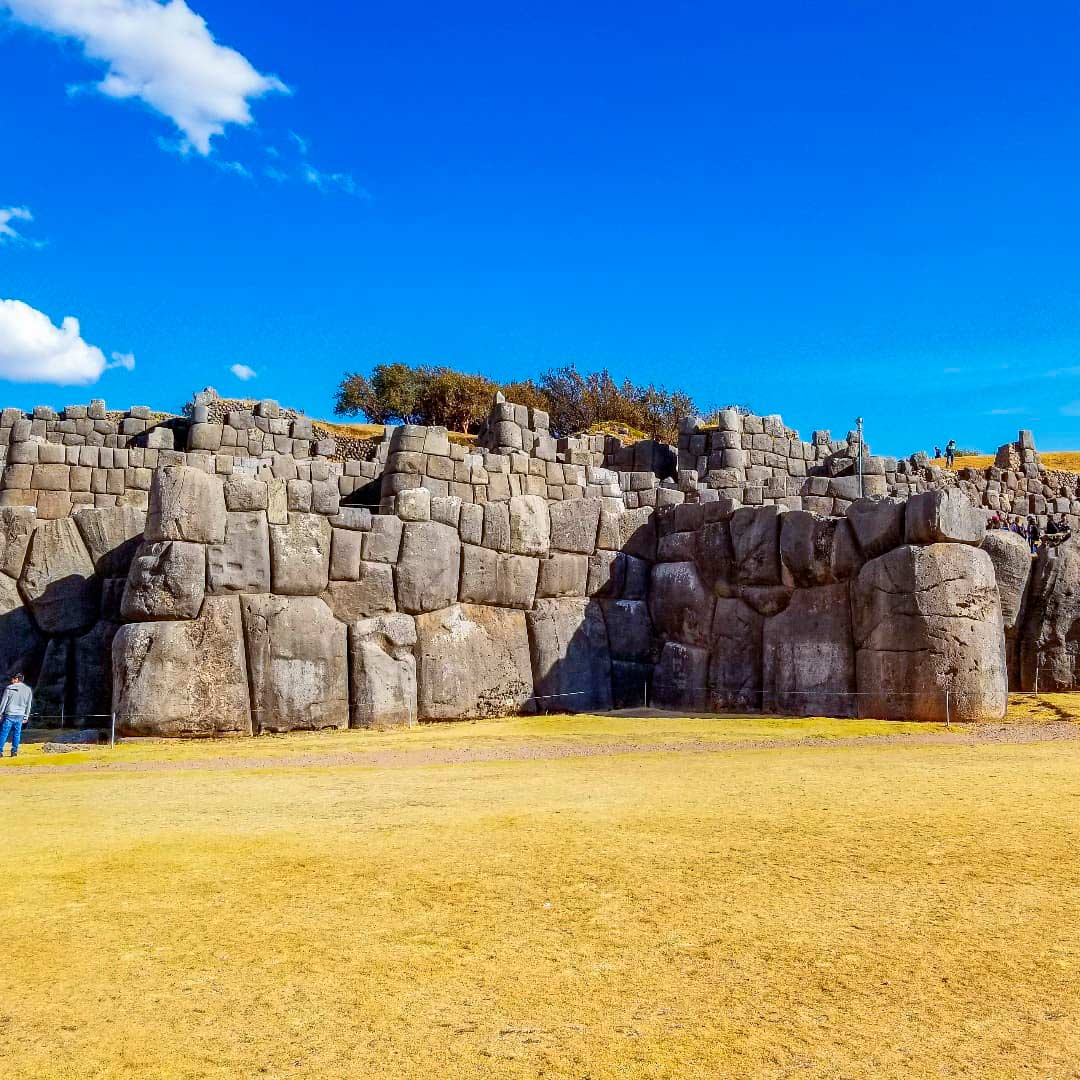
column 950, row 453
column 14, row 712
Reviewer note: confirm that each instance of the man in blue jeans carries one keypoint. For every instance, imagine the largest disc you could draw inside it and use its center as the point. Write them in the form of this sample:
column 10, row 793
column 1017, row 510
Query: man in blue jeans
column 14, row 711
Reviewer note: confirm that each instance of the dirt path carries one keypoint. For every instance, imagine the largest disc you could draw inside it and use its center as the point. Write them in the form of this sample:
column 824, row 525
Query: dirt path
column 971, row 735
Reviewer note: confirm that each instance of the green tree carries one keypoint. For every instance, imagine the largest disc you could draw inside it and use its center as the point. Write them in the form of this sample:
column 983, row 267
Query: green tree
column 392, row 394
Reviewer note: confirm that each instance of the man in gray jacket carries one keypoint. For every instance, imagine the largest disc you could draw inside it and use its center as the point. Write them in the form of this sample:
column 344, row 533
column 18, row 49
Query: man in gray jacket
column 14, row 712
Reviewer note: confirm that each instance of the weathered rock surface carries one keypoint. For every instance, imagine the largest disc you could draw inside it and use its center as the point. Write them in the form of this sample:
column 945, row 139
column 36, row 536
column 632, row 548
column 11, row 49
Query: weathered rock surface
column 242, row 563
column 186, row 504
column 563, row 575
column 928, row 620
column 112, row 536
column 878, row 525
column 93, row 675
column 167, row 580
column 680, row 680
column 58, row 580
column 1012, row 561
column 473, row 661
column 936, row 516
column 530, row 526
column 1049, row 637
column 371, row 594
column 574, row 525
column 491, row 577
column 183, row 677
column 571, row 661
column 755, row 537
column 680, row 604
column 300, row 555
column 735, row 680
column 382, row 671
column 16, row 525
column 630, row 631
column 297, row 657
column 428, row 571
column 808, row 655
column 21, row 643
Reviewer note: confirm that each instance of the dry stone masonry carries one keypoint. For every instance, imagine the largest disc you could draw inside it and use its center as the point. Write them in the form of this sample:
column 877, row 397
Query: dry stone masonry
column 235, row 571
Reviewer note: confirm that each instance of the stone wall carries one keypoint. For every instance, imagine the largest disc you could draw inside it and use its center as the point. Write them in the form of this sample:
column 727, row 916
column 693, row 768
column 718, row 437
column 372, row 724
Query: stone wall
column 250, row 582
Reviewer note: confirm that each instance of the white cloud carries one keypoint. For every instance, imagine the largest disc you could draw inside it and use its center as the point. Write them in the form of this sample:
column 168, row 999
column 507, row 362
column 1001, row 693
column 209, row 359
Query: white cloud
column 162, row 54
column 275, row 174
column 8, row 233
column 32, row 349
column 123, row 360
column 300, row 141
column 326, row 181
column 1007, row 412
column 243, row 372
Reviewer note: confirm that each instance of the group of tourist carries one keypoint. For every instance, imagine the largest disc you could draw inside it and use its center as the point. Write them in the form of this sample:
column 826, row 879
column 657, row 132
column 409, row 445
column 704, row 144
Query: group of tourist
column 950, row 453
column 1056, row 531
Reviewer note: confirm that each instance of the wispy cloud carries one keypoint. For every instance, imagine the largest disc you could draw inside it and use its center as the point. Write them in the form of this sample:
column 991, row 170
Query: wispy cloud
column 302, row 144
column 952, row 371
column 1072, row 409
column 123, row 360
column 8, row 233
column 243, row 372
column 161, row 54
column 334, row 181
column 1018, row 410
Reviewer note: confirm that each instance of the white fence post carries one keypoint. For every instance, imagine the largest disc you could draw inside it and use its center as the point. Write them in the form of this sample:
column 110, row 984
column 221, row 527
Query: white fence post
column 112, row 731
column 948, row 717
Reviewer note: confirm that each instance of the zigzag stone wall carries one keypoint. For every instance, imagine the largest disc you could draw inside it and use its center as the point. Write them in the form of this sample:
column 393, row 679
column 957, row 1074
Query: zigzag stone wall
column 222, row 591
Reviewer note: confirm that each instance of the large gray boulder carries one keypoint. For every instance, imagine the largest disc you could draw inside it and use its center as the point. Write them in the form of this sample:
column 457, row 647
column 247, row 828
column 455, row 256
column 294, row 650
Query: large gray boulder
column 242, row 563
column 735, row 658
column 1011, row 556
column 16, row 525
column 167, row 580
column 574, row 524
column 716, row 553
column 372, row 593
column 629, row 629
column 112, row 536
column 530, row 526
column 300, row 555
column 491, row 577
column 92, row 656
column 297, row 657
column 878, row 525
column 183, row 678
column 383, row 671
column 680, row 604
column 473, row 661
column 928, row 620
column 428, row 571
column 571, row 661
column 563, row 575
column 21, row 643
column 806, row 546
column 943, row 516
column 808, row 655
column 186, row 504
column 755, row 538
column 58, row 580
column 1049, row 637
column 680, row 680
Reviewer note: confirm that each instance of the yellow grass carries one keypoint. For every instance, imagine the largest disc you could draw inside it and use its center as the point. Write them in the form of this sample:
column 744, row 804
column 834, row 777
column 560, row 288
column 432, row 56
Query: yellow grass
column 1060, row 461
column 498, row 733
column 876, row 911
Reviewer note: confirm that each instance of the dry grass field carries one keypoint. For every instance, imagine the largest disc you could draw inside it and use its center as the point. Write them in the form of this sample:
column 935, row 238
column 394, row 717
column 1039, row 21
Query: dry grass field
column 1060, row 461
column 839, row 909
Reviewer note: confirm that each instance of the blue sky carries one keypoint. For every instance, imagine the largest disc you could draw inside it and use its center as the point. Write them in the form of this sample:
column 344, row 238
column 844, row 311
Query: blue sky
column 818, row 210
